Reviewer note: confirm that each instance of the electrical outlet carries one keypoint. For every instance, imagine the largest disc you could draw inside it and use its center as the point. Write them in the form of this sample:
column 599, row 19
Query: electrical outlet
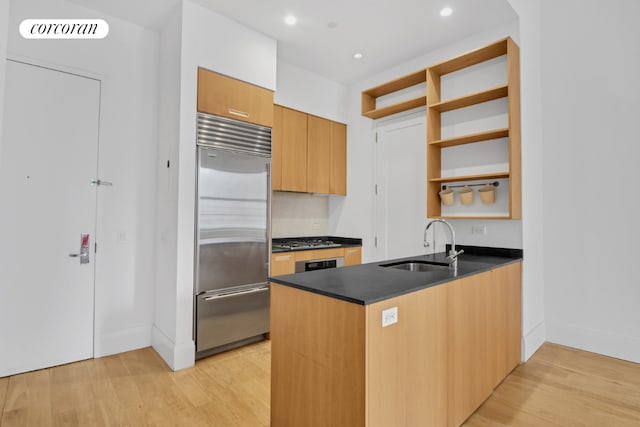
column 389, row 316
column 479, row 229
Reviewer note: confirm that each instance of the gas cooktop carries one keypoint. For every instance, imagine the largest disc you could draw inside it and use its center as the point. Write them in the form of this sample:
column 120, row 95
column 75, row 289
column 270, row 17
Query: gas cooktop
column 294, row 244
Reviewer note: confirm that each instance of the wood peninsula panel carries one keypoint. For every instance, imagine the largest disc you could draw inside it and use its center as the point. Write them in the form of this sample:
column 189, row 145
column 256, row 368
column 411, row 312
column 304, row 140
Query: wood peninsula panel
column 318, row 154
column 406, row 361
column 235, row 99
column 506, row 300
column 338, row 179
column 468, row 346
column 294, row 150
column 317, row 360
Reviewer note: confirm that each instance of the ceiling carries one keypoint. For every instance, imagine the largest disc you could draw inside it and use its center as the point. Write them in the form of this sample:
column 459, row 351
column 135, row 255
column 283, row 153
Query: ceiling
column 386, row 32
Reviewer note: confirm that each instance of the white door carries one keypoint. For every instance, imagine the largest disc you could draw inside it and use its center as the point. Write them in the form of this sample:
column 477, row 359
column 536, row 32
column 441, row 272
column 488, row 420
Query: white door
column 401, row 186
column 48, row 157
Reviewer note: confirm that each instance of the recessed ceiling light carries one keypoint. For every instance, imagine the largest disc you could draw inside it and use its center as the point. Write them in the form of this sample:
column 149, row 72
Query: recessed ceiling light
column 290, row 20
column 446, row 11
column 357, row 55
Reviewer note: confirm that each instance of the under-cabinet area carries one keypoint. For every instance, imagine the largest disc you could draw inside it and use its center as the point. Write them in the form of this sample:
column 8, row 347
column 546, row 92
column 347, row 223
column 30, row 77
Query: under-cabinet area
column 391, row 351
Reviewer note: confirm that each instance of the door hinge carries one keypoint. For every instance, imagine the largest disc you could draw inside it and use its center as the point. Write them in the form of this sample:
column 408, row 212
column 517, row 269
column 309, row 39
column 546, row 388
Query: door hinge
column 95, row 248
column 376, row 136
column 375, row 242
column 376, row 189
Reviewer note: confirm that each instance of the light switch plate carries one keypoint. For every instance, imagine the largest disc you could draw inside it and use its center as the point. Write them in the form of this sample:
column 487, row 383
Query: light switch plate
column 389, row 316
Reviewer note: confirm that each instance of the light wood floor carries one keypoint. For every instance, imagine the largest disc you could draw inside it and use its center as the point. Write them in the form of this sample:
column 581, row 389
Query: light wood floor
column 559, row 386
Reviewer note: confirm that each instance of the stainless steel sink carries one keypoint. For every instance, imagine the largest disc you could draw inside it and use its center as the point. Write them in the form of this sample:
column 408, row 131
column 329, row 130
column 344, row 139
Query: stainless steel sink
column 417, row 265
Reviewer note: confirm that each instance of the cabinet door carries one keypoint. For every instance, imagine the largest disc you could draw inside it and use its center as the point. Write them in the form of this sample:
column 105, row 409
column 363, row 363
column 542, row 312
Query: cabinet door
column 318, row 154
column 227, row 97
column 505, row 318
column 352, row 256
column 276, row 149
column 338, row 179
column 468, row 346
column 283, row 263
column 294, row 150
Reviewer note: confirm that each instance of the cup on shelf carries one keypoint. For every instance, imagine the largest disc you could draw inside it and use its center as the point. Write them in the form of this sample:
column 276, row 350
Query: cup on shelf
column 446, row 196
column 487, row 194
column 466, row 195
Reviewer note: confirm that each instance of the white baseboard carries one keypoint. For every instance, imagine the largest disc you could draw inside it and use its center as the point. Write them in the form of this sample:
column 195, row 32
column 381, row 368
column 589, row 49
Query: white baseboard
column 176, row 356
column 596, row 341
column 109, row 343
column 533, row 340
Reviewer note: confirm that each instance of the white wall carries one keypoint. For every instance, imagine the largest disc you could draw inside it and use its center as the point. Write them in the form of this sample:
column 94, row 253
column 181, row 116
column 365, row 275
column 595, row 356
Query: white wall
column 165, row 308
column 126, row 63
column 533, row 316
column 352, row 215
column 299, row 214
column 214, row 42
column 306, row 91
column 591, row 104
column 4, row 32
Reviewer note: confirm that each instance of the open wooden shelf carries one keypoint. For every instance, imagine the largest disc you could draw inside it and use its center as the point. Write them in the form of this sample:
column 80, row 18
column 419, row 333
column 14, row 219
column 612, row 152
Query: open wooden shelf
column 436, row 106
column 496, row 175
column 409, row 104
column 369, row 96
column 473, row 99
column 468, row 59
column 435, row 143
column 474, row 137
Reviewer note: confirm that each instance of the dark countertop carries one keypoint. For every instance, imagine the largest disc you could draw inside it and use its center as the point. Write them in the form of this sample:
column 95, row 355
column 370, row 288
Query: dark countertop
column 370, row 283
column 343, row 242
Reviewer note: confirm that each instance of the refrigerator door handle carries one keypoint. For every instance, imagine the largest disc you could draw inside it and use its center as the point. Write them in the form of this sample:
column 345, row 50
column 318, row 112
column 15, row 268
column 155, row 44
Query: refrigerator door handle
column 237, row 293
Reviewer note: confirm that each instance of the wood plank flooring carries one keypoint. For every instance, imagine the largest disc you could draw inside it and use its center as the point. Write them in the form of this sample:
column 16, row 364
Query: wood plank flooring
column 559, row 386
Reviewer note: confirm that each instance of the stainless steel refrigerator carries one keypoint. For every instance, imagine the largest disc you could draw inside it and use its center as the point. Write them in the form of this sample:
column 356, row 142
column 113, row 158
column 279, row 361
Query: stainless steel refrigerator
column 232, row 234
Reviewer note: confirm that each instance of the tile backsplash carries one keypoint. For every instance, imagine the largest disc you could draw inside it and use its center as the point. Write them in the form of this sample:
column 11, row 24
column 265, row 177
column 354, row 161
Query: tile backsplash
column 299, row 215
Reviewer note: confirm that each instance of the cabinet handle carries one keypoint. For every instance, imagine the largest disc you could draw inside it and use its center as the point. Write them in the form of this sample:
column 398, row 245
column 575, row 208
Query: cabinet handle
column 238, row 113
column 283, row 258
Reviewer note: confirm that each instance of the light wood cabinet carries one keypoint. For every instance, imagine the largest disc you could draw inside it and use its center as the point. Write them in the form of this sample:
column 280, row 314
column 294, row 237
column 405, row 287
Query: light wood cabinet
column 338, row 178
column 276, row 149
column 352, row 256
column 483, row 337
column 293, row 147
column 318, row 155
column 283, row 263
column 452, row 345
column 228, row 97
column 309, row 153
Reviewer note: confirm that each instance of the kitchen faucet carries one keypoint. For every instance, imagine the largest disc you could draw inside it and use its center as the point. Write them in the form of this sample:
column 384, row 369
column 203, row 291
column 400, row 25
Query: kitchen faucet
column 453, row 255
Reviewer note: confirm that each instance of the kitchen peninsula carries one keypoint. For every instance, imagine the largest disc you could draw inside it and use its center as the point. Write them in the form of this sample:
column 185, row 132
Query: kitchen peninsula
column 379, row 345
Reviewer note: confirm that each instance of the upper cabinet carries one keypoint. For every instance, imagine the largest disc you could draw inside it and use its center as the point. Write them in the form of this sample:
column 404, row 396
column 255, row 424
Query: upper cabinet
column 473, row 136
column 338, row 177
column 309, row 153
column 293, row 137
column 227, row 97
